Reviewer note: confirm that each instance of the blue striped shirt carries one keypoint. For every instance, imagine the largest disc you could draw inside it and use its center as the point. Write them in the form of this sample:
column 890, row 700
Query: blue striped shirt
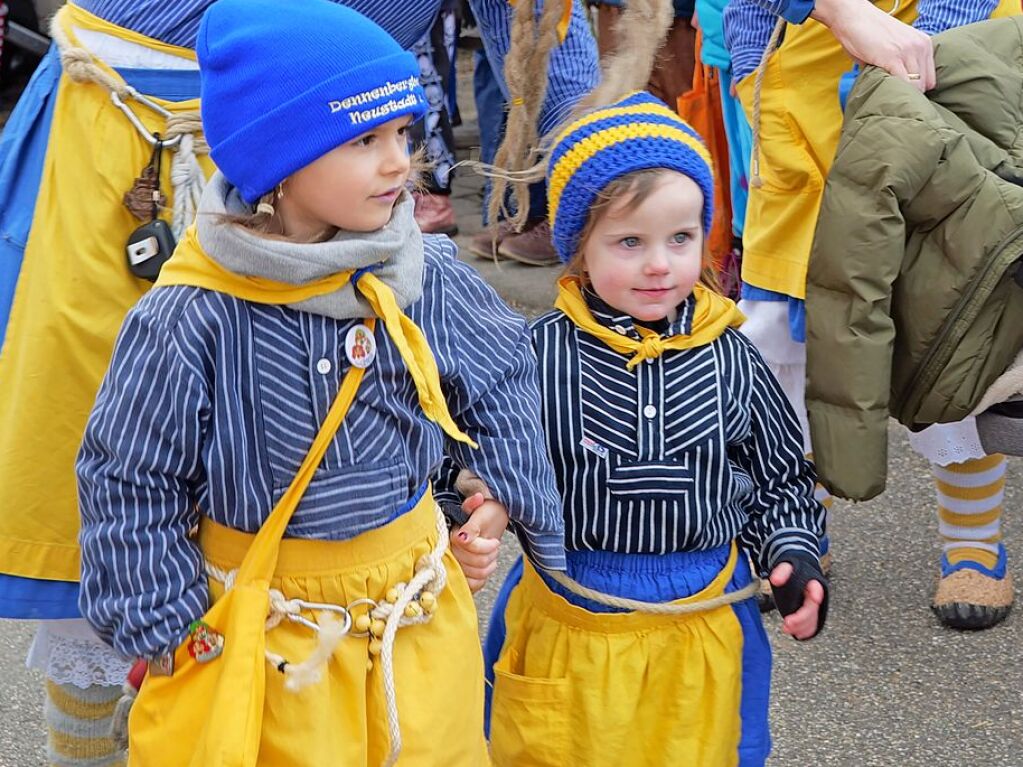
column 212, row 402
column 574, row 67
column 177, row 21
column 748, row 23
column 687, row 451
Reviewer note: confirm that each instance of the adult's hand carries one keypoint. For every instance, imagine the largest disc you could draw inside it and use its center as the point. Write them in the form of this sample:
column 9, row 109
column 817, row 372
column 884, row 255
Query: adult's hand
column 871, row 36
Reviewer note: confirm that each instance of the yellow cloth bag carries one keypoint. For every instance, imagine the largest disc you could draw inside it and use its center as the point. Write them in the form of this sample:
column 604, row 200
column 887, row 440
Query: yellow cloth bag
column 211, row 714
column 800, row 124
column 609, row 689
column 229, row 713
column 72, row 294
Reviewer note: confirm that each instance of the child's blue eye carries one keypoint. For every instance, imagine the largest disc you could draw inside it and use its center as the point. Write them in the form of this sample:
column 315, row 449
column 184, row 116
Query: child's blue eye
column 681, row 238
column 630, row 242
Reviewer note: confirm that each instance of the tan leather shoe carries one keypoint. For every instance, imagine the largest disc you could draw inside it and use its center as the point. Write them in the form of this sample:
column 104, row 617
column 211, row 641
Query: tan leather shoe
column 486, row 245
column 435, row 214
column 532, row 246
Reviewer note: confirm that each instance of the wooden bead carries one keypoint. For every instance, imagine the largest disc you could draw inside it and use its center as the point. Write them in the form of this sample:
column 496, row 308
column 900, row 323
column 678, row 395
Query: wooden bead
column 392, row 595
column 428, row 600
column 369, row 665
column 376, row 627
column 362, row 624
column 413, row 610
column 375, row 646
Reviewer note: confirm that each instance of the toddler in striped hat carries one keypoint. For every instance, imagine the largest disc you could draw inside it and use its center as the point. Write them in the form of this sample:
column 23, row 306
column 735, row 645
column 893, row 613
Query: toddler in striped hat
column 676, row 455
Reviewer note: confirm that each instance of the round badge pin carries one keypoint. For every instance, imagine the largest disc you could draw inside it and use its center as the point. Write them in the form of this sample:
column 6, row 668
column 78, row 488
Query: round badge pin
column 360, row 346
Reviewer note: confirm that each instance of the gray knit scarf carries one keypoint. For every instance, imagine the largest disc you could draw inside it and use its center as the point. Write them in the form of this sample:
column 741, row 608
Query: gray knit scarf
column 397, row 248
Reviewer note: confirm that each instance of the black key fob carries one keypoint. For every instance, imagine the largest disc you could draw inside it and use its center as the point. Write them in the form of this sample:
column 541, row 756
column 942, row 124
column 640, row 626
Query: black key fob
column 148, row 249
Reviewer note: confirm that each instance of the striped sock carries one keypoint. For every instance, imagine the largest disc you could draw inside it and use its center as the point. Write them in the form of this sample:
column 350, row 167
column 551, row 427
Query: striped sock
column 79, row 726
column 970, row 509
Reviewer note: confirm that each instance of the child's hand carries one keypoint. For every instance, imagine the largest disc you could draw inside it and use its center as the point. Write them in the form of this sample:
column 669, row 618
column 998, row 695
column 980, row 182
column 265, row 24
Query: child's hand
column 800, row 592
column 476, row 543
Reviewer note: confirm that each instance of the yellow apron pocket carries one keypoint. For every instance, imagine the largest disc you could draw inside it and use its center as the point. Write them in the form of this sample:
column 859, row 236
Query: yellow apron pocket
column 529, row 717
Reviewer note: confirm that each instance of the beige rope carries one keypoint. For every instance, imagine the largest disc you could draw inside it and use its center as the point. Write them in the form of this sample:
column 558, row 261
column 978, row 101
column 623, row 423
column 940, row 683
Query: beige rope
column 80, row 64
column 187, row 177
column 431, row 576
column 755, row 179
column 655, row 608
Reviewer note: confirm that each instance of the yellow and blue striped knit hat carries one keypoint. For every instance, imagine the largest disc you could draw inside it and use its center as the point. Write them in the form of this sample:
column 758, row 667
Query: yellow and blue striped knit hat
column 639, row 132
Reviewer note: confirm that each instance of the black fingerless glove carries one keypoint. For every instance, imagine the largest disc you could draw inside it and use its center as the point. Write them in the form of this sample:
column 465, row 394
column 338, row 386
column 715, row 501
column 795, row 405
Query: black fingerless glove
column 789, row 598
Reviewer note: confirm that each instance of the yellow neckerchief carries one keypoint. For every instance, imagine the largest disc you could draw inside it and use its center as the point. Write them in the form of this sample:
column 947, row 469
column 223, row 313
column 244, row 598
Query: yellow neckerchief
column 713, row 313
column 191, row 266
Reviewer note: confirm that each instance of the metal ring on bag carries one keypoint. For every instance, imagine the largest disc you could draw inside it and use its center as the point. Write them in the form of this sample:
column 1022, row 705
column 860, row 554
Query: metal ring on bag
column 358, row 603
column 312, row 606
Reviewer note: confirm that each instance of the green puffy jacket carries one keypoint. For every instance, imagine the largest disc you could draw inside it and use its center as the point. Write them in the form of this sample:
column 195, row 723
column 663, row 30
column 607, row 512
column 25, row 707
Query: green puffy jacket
column 913, row 302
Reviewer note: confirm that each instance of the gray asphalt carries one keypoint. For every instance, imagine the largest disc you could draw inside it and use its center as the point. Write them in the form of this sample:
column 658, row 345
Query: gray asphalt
column 884, row 685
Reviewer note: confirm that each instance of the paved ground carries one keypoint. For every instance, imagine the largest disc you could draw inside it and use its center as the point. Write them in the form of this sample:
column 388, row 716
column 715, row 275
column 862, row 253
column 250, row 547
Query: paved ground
column 885, row 685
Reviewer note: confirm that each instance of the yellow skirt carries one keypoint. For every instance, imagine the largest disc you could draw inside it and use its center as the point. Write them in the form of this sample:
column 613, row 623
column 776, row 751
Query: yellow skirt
column 342, row 720
column 800, row 125
column 574, row 687
column 73, row 291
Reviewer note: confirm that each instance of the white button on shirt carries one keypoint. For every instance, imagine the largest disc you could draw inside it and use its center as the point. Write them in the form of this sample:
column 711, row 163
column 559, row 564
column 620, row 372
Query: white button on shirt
column 323, row 366
column 650, row 411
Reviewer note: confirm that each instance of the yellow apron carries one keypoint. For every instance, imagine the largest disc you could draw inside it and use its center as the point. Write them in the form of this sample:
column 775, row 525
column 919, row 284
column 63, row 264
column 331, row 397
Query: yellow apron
column 72, row 294
column 800, row 124
column 573, row 687
column 230, row 712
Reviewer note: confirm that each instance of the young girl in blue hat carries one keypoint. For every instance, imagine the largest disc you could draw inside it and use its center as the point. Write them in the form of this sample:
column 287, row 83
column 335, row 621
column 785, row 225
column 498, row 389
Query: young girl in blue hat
column 675, row 454
column 257, row 521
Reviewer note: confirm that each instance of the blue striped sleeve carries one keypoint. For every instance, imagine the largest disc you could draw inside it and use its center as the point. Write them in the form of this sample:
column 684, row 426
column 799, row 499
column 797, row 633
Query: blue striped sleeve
column 495, row 397
column 793, row 11
column 142, row 581
column 177, row 22
column 936, row 16
column 574, row 67
column 784, row 516
column 748, row 28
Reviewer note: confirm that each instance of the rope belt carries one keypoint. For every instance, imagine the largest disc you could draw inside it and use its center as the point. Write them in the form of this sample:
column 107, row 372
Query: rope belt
column 655, row 608
column 405, row 604
column 183, row 132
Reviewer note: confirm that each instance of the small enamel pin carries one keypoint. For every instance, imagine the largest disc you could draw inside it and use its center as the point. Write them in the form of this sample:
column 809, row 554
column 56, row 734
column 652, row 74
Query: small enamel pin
column 360, row 347
column 204, row 643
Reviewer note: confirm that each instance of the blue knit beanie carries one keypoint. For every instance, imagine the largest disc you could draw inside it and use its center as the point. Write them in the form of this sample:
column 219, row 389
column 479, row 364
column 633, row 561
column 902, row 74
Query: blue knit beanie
column 639, row 132
column 285, row 83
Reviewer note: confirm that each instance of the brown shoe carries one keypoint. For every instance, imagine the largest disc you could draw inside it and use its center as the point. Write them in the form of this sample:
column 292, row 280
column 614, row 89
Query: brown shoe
column 532, row 246
column 485, row 246
column 435, row 214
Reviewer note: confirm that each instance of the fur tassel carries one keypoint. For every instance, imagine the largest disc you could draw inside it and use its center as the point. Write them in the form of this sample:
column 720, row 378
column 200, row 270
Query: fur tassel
column 310, row 671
